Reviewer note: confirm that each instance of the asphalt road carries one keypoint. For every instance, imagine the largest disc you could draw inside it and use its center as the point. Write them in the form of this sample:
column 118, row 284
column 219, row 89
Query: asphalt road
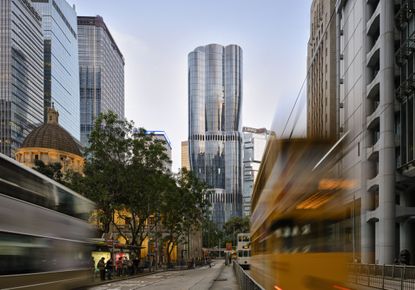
column 197, row 279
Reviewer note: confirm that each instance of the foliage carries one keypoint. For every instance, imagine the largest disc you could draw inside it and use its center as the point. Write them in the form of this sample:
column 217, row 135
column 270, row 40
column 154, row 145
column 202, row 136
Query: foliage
column 234, row 226
column 183, row 208
column 125, row 175
column 106, row 165
column 212, row 235
column 53, row 170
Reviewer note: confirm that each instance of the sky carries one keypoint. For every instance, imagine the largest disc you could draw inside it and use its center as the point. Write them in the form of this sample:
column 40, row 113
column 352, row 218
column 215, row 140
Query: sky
column 155, row 37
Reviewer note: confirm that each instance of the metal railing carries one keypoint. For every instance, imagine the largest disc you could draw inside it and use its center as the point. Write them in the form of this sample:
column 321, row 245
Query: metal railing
column 390, row 277
column 244, row 279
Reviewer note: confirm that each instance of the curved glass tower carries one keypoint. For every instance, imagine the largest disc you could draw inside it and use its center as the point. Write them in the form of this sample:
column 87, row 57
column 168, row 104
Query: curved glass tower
column 215, row 99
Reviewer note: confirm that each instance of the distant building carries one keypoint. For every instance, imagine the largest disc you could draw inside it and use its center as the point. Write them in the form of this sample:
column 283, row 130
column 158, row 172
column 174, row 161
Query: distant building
column 161, row 135
column 101, row 72
column 215, row 141
column 254, row 142
column 51, row 143
column 21, row 70
column 61, row 64
column 321, row 75
column 185, row 155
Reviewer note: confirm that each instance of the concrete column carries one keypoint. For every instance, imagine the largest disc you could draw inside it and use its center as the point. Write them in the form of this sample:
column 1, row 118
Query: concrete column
column 367, row 233
column 386, row 244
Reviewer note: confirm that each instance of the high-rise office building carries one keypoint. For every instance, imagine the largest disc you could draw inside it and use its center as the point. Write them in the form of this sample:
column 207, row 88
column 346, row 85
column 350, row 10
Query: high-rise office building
column 215, row 98
column 185, row 162
column 375, row 84
column 254, row 142
column 21, row 73
column 321, row 74
column 101, row 72
column 161, row 135
column 61, row 66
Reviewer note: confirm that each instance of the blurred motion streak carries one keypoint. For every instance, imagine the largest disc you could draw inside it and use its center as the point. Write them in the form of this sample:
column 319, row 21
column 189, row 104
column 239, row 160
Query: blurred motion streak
column 44, row 231
column 301, row 220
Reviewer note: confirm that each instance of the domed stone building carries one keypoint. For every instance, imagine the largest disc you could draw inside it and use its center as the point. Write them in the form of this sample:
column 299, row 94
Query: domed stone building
column 51, row 143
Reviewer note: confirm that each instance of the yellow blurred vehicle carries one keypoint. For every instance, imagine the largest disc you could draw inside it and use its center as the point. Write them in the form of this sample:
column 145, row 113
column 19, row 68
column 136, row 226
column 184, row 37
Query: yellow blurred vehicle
column 299, row 221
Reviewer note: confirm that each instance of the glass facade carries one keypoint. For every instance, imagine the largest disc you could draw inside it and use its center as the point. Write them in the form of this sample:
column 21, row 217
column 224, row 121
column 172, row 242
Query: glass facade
column 254, row 142
column 215, row 98
column 101, row 73
column 61, row 65
column 21, row 73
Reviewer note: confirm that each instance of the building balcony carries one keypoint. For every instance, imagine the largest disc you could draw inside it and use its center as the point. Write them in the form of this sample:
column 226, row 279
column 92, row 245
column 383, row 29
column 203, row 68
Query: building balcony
column 372, row 215
column 372, row 85
column 373, row 55
column 372, row 152
column 373, row 90
column 373, row 120
column 373, row 184
column 372, row 25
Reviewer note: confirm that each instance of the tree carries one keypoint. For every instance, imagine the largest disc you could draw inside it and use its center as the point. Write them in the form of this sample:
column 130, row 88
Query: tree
column 183, row 208
column 125, row 176
column 234, row 226
column 53, row 170
column 212, row 235
column 106, row 165
column 147, row 182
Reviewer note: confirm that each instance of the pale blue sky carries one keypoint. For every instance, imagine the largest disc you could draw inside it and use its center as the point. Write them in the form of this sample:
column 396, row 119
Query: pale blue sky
column 155, row 37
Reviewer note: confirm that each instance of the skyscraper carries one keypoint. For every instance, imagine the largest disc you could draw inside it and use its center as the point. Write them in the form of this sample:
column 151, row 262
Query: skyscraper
column 321, row 75
column 215, row 98
column 21, row 73
column 376, row 97
column 101, row 71
column 254, row 142
column 61, row 64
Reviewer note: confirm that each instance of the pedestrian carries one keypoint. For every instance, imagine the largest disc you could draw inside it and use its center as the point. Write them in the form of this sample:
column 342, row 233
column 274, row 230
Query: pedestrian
column 101, row 268
column 125, row 266
column 136, row 263
column 130, row 267
column 92, row 263
column 109, row 267
column 118, row 265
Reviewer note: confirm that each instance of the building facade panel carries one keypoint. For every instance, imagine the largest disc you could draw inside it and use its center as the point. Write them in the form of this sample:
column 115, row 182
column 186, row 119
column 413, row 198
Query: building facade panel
column 254, row 142
column 101, row 73
column 215, row 141
column 373, row 80
column 21, row 71
column 321, row 74
column 61, row 64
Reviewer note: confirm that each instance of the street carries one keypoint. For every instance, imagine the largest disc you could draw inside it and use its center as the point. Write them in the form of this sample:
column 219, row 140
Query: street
column 197, row 279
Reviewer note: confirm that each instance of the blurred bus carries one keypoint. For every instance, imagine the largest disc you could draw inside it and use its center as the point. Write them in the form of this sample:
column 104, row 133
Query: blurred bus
column 243, row 250
column 44, row 231
column 299, row 220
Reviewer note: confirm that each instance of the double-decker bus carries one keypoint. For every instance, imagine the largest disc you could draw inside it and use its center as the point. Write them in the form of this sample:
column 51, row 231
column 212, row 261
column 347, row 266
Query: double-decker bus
column 243, row 249
column 44, row 231
column 299, row 220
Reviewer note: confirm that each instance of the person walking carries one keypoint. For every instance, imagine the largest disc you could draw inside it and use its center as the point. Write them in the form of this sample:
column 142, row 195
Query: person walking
column 109, row 267
column 118, row 265
column 101, row 268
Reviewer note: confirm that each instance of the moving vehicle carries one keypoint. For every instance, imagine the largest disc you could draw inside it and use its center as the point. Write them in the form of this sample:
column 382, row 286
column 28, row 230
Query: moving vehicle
column 243, row 250
column 300, row 219
column 44, row 231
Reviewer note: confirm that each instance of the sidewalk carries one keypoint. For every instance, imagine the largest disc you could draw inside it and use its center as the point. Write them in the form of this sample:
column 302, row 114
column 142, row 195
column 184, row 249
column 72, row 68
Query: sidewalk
column 226, row 280
column 96, row 281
